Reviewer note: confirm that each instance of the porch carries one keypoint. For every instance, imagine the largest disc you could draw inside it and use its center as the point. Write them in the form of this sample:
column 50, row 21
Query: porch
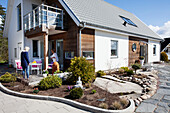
column 39, row 24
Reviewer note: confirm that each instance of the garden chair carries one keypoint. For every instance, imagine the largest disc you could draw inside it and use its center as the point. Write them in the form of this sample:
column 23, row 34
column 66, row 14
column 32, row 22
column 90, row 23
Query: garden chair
column 36, row 66
column 18, row 65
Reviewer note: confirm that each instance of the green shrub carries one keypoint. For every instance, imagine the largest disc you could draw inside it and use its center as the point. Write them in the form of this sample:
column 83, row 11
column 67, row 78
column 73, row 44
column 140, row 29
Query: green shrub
column 58, row 72
column 76, row 93
column 164, row 56
column 121, row 71
column 100, row 73
column 50, row 82
column 81, row 67
column 104, row 106
column 125, row 68
column 141, row 57
column 136, row 66
column 7, row 77
column 93, row 91
column 130, row 72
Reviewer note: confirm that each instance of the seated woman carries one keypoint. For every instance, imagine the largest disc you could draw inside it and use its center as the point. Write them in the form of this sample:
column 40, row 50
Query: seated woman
column 54, row 58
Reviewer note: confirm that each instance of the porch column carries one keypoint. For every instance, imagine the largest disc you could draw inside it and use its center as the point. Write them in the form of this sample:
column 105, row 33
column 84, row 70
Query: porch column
column 45, row 51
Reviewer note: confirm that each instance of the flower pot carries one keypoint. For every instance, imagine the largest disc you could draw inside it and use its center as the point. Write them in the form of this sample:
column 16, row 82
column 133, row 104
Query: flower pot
column 142, row 62
column 44, row 75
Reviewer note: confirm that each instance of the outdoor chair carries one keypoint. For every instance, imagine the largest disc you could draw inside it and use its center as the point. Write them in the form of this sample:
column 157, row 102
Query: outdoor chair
column 35, row 66
column 18, row 65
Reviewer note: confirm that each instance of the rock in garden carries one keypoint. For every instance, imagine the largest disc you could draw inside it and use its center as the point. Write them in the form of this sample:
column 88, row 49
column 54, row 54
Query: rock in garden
column 139, row 99
column 144, row 97
column 137, row 102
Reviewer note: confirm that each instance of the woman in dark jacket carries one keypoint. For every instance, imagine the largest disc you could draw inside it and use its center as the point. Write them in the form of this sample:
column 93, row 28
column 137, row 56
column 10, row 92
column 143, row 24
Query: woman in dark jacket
column 25, row 62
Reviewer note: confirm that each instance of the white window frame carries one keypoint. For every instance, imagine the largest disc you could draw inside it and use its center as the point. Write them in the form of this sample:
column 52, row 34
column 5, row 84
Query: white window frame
column 89, row 58
column 116, row 56
column 154, row 47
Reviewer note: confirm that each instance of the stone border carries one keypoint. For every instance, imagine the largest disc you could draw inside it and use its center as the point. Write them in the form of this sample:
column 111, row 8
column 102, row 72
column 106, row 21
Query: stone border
column 130, row 109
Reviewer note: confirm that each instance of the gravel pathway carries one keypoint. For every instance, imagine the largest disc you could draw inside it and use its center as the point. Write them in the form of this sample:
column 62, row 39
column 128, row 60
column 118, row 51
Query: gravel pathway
column 160, row 102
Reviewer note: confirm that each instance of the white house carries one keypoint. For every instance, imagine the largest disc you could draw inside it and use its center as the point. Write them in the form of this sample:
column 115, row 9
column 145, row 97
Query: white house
column 106, row 35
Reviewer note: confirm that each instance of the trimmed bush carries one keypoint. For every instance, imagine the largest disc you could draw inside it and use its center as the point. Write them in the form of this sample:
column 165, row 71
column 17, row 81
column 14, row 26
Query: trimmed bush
column 116, row 106
column 7, row 77
column 164, row 57
column 141, row 57
column 76, row 93
column 93, row 91
column 100, row 73
column 130, row 72
column 121, row 71
column 125, row 68
column 136, row 66
column 81, row 67
column 104, row 106
column 50, row 82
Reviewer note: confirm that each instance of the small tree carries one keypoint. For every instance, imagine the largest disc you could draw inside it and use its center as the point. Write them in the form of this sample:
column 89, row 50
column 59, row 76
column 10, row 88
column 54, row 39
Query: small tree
column 81, row 67
column 136, row 66
column 164, row 56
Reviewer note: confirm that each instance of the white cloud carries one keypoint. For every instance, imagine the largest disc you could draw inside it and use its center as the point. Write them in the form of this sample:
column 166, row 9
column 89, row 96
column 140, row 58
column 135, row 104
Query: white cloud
column 163, row 31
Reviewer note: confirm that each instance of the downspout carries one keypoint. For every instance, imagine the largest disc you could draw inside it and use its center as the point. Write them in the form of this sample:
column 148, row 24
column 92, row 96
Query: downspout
column 83, row 26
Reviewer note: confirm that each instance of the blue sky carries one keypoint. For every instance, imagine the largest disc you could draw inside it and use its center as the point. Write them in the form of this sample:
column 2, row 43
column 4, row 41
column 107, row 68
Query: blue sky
column 154, row 13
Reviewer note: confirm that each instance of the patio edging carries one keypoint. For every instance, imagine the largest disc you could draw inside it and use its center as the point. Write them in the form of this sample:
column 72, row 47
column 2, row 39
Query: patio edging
column 130, row 109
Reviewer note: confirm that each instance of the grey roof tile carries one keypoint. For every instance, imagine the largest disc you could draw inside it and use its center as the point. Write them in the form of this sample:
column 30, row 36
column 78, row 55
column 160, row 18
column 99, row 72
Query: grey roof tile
column 101, row 13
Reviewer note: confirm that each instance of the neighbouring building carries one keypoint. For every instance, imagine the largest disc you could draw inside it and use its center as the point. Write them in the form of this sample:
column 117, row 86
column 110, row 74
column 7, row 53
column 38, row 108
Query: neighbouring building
column 108, row 36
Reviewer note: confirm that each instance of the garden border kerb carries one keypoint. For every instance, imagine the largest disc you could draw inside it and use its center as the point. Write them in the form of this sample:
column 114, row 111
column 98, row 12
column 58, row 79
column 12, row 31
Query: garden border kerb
column 130, row 109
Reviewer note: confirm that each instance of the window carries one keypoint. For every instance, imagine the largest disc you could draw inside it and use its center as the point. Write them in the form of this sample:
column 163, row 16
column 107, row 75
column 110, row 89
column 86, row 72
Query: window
column 114, row 48
column 128, row 21
column 69, row 55
column 19, row 17
column 154, row 49
column 88, row 54
column 35, row 48
column 15, row 52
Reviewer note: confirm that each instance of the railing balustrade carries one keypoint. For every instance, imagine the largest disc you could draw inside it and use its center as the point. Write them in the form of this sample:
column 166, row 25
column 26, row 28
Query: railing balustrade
column 43, row 15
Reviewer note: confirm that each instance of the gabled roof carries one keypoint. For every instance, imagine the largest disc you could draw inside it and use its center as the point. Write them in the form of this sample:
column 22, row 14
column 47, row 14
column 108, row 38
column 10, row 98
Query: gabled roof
column 165, row 44
column 101, row 14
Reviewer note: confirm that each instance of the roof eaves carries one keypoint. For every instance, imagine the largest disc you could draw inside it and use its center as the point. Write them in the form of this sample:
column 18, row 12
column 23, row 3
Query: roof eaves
column 117, row 30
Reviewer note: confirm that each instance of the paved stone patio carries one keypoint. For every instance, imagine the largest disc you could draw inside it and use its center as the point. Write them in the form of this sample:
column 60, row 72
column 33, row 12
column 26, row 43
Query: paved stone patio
column 160, row 102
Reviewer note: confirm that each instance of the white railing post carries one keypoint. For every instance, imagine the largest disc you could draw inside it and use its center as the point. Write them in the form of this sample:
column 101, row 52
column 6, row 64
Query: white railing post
column 34, row 19
column 39, row 12
column 47, row 18
column 29, row 21
column 62, row 19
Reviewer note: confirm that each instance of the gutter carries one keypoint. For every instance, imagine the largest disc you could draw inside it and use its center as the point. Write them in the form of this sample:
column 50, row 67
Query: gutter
column 83, row 26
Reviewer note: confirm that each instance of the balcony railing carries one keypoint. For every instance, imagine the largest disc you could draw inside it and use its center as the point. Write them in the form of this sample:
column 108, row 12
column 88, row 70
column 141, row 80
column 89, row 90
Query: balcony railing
column 43, row 15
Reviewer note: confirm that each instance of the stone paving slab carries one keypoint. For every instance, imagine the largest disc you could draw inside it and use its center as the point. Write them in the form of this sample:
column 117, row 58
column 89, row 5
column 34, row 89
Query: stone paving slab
column 160, row 102
column 12, row 104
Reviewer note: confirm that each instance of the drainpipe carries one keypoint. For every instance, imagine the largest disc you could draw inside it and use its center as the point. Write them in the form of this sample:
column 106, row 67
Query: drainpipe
column 83, row 26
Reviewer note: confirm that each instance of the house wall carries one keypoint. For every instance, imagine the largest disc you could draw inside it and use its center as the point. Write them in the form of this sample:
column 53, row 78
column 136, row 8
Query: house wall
column 152, row 57
column 15, row 37
column 27, row 4
column 134, row 55
column 103, row 59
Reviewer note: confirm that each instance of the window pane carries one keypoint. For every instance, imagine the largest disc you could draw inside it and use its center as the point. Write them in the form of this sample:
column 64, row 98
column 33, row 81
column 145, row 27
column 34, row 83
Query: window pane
column 69, row 55
column 114, row 48
column 154, row 49
column 88, row 55
column 19, row 16
column 35, row 48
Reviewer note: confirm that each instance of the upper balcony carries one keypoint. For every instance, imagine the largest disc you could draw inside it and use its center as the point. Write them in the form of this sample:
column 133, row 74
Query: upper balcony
column 44, row 17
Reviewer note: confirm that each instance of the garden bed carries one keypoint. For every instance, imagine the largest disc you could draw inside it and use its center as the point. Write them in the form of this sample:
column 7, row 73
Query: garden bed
column 88, row 98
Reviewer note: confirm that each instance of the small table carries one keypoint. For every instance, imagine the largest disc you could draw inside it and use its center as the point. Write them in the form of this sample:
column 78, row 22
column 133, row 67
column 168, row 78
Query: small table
column 38, row 66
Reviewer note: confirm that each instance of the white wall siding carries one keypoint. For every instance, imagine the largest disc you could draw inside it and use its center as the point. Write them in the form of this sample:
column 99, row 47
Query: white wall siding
column 103, row 59
column 14, row 36
column 151, row 56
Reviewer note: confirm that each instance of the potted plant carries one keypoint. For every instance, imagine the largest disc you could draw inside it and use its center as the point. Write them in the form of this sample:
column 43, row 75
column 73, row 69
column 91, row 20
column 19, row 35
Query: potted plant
column 141, row 58
column 45, row 73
